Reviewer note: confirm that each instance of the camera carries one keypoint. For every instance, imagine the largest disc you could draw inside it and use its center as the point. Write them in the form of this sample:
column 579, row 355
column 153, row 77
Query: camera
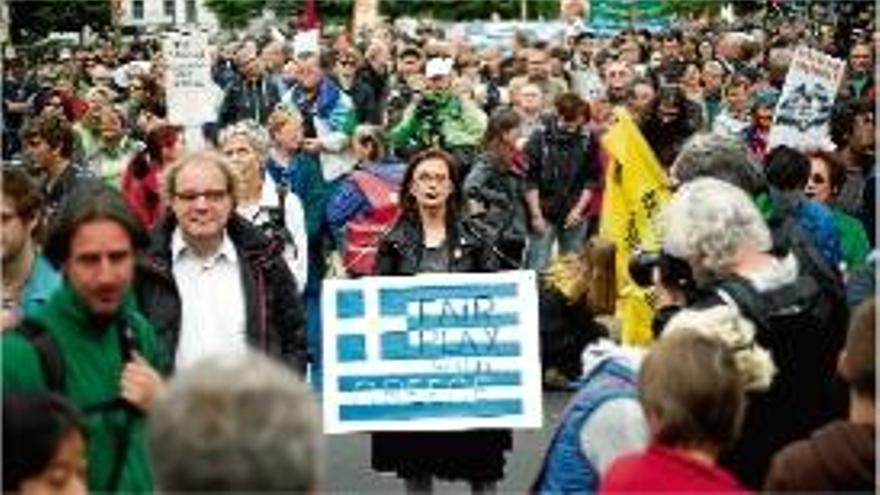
column 674, row 272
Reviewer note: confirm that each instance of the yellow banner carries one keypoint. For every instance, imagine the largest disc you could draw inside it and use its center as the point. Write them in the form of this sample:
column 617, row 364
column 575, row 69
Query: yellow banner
column 636, row 188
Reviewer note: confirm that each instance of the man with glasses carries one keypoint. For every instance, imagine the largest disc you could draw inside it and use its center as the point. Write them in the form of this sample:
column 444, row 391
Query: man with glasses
column 211, row 282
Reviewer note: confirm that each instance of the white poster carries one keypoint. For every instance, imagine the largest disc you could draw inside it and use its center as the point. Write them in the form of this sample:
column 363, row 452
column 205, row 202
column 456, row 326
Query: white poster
column 431, row 352
column 190, row 91
column 803, row 113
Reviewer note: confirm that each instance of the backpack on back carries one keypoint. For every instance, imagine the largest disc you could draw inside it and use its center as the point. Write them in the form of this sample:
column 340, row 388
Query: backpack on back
column 364, row 232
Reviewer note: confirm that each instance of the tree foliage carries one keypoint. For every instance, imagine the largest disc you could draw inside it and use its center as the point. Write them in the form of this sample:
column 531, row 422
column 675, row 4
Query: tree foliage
column 235, row 14
column 33, row 20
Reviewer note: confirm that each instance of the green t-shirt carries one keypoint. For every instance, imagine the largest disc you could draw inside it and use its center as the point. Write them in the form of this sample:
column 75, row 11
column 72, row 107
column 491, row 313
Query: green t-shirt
column 92, row 363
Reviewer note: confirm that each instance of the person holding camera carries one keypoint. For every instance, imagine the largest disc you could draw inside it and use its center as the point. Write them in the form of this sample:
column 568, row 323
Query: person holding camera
column 440, row 118
column 90, row 343
column 717, row 230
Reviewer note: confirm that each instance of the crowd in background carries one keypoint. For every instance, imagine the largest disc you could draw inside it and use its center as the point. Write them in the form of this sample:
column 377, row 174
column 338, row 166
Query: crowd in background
column 396, row 153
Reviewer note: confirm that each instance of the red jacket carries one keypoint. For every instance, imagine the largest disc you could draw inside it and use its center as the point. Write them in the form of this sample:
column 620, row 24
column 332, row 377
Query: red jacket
column 142, row 195
column 662, row 469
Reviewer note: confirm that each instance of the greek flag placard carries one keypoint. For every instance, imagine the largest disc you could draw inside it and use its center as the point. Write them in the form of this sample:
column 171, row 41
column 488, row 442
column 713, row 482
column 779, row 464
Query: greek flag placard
column 431, row 352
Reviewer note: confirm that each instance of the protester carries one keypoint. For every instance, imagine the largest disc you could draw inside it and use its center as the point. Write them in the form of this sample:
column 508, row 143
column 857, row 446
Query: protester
column 690, row 388
column 141, row 182
column 44, row 444
column 841, row 456
column 260, row 433
column 48, row 143
column 827, row 175
column 115, row 148
column 370, row 88
column 717, row 229
column 211, row 282
column 431, row 237
column 440, row 118
column 327, row 114
column 788, row 172
column 91, row 343
column 366, row 205
column 252, row 96
column 561, row 162
column 265, row 203
column 853, row 131
column 28, row 277
column 495, row 189
column 288, row 163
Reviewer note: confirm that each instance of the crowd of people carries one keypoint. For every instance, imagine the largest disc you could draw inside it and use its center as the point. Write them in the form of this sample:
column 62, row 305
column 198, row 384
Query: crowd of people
column 145, row 282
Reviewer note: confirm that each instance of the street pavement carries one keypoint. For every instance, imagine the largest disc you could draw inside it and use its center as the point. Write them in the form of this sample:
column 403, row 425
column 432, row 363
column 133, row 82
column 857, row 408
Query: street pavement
column 348, row 459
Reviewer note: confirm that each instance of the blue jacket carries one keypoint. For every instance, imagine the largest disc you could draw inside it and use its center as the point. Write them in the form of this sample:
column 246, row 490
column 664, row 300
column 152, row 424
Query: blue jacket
column 566, row 469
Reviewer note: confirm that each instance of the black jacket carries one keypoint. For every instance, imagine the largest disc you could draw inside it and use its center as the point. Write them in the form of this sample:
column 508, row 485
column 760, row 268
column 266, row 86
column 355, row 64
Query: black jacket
column 369, row 93
column 275, row 321
column 400, row 251
column 560, row 166
column 244, row 100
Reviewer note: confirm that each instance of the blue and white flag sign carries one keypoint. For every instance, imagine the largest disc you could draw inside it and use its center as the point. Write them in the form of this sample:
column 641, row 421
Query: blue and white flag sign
column 431, row 352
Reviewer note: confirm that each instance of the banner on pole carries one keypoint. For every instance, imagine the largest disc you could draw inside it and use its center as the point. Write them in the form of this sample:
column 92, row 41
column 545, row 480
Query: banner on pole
column 803, row 113
column 431, row 352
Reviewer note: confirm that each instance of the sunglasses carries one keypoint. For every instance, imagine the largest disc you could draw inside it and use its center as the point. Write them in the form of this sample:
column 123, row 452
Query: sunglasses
column 818, row 179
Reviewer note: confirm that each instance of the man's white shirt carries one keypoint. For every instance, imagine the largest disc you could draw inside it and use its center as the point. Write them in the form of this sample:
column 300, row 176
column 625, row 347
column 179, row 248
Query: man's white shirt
column 212, row 302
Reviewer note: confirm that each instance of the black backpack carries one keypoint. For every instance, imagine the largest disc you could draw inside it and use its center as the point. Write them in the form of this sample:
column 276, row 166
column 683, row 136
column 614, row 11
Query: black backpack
column 52, row 362
column 796, row 324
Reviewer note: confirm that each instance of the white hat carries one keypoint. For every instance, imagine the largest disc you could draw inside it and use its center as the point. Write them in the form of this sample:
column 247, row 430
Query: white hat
column 438, row 66
column 306, row 42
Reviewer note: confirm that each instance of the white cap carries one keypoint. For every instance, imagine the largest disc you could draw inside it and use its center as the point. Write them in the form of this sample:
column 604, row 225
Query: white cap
column 306, row 42
column 438, row 67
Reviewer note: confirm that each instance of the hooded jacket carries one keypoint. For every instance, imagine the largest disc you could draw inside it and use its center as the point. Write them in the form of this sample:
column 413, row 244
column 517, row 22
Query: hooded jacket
column 838, row 457
column 274, row 314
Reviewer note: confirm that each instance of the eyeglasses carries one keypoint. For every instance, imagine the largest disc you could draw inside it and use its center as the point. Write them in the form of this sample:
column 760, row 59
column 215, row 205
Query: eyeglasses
column 436, row 178
column 211, row 195
column 817, row 179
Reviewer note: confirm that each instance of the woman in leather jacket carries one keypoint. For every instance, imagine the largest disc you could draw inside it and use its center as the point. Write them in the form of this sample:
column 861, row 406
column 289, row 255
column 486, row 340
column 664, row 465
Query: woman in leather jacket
column 431, row 236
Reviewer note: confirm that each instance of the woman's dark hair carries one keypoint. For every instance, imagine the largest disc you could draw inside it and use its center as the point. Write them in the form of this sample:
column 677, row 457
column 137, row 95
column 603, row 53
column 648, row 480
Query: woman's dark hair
column 162, row 136
column 500, row 123
column 33, row 426
column 570, row 106
column 90, row 204
column 787, row 169
column 408, row 202
column 836, row 168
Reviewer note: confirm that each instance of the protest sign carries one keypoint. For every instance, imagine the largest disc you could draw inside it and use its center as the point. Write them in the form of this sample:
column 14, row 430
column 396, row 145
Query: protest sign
column 189, row 87
column 431, row 352
column 803, row 113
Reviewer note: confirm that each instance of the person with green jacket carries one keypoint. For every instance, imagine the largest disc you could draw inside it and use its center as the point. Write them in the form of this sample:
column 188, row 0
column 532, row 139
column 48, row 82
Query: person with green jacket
column 440, row 118
column 90, row 344
column 827, row 175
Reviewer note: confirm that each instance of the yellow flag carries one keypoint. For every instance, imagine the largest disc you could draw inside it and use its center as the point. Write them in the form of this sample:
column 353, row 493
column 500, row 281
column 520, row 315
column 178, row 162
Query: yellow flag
column 636, row 188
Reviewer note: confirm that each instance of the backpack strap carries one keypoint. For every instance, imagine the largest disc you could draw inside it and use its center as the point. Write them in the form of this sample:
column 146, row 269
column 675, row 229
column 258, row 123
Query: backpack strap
column 47, row 351
column 377, row 191
column 741, row 294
